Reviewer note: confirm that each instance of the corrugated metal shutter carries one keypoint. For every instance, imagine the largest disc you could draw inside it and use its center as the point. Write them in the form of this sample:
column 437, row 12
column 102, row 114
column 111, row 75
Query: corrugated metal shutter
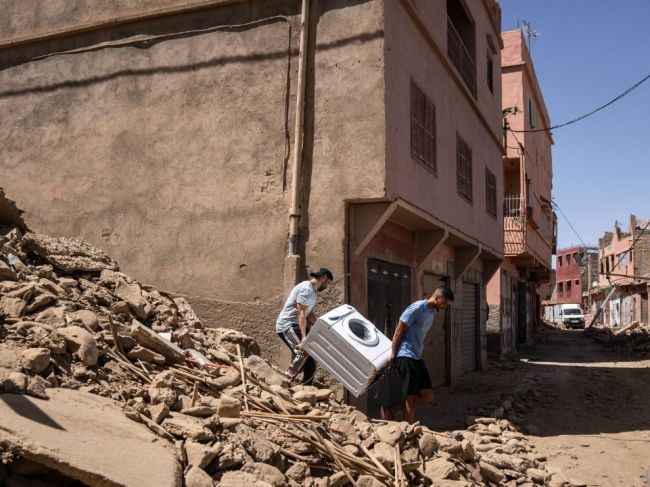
column 469, row 325
column 434, row 353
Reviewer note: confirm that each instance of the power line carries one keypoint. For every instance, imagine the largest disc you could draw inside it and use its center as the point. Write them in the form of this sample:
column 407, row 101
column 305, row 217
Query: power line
column 557, row 207
column 582, row 117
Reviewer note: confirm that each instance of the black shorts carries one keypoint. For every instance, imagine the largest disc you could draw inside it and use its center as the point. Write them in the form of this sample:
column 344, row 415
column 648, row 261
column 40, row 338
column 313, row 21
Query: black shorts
column 413, row 374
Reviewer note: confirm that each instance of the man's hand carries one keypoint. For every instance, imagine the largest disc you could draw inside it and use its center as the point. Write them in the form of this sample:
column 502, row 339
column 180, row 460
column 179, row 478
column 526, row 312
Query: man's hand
column 391, row 361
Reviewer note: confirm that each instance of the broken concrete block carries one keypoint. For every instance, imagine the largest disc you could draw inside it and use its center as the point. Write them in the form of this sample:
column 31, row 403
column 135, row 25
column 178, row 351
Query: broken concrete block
column 15, row 382
column 201, row 455
column 390, row 433
column 37, row 387
column 229, row 407
column 491, row 473
column 197, row 477
column 266, row 473
column 87, row 318
column 81, row 342
column 36, row 360
column 158, row 412
column 68, row 255
column 6, row 272
column 39, row 302
column 12, row 307
column 428, row 445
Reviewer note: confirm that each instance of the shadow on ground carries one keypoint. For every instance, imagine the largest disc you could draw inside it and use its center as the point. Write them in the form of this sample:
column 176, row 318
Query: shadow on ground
column 584, row 389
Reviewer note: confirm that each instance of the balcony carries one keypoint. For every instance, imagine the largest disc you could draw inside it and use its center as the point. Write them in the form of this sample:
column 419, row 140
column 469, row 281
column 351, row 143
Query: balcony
column 515, row 220
column 460, row 57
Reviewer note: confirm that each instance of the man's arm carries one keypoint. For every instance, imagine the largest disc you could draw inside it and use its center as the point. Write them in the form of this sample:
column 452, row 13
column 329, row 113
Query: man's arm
column 397, row 339
column 302, row 320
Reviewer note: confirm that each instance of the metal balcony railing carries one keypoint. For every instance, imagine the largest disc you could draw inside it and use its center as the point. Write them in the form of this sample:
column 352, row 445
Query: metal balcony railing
column 460, row 57
column 513, row 207
column 514, row 224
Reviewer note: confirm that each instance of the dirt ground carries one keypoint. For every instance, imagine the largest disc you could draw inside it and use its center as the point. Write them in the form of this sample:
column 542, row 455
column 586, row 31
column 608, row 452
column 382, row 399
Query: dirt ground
column 593, row 416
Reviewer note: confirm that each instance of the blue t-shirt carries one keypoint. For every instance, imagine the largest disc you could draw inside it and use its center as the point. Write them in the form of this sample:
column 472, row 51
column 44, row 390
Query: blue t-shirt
column 419, row 318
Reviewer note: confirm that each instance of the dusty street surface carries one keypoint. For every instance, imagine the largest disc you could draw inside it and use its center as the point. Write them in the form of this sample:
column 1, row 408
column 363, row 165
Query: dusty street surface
column 592, row 416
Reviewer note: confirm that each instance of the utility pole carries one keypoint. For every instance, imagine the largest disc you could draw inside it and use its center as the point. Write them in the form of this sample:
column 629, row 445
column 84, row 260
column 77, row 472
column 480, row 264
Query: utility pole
column 588, row 280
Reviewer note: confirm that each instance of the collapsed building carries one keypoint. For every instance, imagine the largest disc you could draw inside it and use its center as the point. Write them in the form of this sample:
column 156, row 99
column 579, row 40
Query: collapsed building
column 107, row 381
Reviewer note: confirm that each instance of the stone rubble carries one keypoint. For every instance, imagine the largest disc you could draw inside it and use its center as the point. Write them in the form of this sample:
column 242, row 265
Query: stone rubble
column 70, row 319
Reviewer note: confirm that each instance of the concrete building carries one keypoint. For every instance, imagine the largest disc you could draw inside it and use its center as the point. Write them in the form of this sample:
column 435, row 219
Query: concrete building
column 574, row 265
column 166, row 135
column 529, row 222
column 627, row 270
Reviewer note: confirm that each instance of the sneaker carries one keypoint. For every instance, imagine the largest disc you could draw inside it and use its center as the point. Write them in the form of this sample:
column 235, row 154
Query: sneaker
column 386, row 414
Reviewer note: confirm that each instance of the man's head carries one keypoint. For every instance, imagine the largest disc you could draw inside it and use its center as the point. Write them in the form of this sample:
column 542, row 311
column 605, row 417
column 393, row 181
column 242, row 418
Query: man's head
column 441, row 298
column 323, row 277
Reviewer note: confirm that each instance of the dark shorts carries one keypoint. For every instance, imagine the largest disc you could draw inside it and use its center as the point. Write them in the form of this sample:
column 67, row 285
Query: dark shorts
column 413, row 374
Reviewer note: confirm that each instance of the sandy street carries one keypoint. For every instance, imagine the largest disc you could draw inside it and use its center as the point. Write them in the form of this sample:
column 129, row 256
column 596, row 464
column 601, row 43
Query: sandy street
column 592, row 414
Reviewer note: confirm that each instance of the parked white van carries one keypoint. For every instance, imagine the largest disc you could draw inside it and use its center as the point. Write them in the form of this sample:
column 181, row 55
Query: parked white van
column 571, row 316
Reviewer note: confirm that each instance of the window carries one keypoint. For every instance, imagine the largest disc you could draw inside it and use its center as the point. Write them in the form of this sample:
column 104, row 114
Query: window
column 568, row 259
column 463, row 168
column 568, row 287
column 559, row 261
column 560, row 288
column 490, row 74
column 622, row 259
column 423, row 128
column 602, row 267
column 532, row 115
column 577, row 282
column 490, row 193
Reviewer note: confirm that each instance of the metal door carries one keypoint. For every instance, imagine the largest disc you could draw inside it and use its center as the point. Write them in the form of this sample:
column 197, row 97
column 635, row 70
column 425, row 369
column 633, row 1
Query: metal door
column 469, row 327
column 389, row 293
column 522, row 324
column 434, row 353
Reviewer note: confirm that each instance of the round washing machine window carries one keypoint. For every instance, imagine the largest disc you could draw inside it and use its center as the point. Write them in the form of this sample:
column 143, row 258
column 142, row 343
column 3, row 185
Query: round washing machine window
column 362, row 332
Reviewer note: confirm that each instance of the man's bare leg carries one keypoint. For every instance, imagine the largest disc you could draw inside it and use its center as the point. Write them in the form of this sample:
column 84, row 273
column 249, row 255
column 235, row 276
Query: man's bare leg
column 412, row 402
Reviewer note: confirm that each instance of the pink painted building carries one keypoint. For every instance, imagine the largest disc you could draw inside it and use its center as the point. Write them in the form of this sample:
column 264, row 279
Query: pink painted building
column 626, row 268
column 529, row 221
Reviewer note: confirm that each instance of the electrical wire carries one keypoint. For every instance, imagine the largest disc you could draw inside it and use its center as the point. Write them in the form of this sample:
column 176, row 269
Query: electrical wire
column 557, row 207
column 596, row 110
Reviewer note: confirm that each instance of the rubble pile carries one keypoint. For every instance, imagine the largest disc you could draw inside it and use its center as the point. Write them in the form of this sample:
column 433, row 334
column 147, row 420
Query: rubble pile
column 633, row 338
column 70, row 319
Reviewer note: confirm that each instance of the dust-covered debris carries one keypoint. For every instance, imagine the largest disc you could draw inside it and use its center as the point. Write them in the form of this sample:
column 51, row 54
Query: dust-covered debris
column 71, row 320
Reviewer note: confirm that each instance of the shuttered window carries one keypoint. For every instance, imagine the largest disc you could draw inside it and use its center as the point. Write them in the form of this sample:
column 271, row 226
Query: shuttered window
column 423, row 128
column 490, row 193
column 463, row 168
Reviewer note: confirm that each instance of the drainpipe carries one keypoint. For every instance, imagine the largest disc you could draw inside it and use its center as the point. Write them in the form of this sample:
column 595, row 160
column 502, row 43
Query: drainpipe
column 294, row 211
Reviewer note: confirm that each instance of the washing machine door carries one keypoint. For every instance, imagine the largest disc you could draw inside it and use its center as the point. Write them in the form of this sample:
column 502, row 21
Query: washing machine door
column 361, row 331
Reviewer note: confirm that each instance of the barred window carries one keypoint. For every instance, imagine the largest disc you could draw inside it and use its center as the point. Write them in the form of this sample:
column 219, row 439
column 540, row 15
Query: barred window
column 463, row 168
column 423, row 128
column 490, row 193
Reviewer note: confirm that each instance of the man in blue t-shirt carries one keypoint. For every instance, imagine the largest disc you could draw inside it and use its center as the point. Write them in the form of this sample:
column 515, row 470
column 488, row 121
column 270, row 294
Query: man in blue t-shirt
column 406, row 356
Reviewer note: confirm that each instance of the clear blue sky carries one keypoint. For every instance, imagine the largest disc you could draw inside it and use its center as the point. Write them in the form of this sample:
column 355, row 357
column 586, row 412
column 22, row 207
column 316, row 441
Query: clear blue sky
column 586, row 53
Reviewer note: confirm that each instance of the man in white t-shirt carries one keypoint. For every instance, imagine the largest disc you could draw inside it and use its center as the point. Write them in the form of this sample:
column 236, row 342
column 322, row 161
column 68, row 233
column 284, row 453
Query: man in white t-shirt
column 294, row 319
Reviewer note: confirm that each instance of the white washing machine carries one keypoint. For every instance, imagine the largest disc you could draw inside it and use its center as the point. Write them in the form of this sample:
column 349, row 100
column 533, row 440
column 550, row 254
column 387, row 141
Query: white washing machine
column 349, row 346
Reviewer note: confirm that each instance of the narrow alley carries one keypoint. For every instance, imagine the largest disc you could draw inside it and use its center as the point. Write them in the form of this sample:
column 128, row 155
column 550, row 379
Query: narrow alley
column 585, row 406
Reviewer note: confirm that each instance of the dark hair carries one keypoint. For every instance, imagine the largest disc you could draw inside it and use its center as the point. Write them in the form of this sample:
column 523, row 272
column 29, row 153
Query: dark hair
column 446, row 293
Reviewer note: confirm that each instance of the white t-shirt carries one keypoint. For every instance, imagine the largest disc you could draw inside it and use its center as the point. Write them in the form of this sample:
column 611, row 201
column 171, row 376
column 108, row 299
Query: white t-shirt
column 303, row 294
